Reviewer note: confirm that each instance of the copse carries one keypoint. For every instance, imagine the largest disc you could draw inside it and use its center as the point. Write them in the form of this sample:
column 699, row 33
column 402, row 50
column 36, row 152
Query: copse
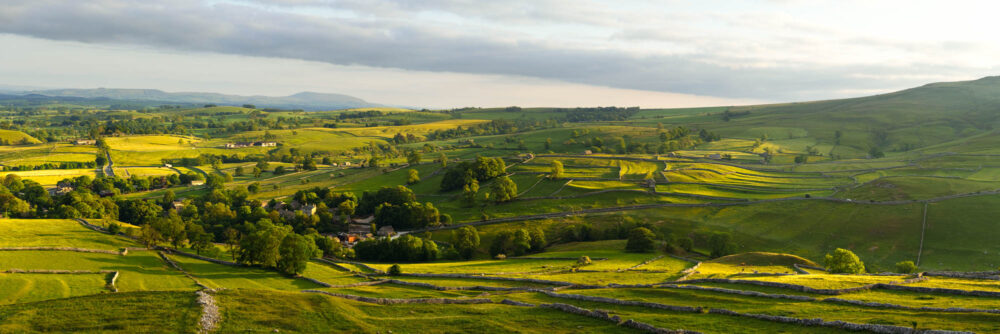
column 517, row 242
column 481, row 170
column 640, row 240
column 843, row 261
column 906, row 267
column 406, row 248
column 721, row 244
column 466, row 241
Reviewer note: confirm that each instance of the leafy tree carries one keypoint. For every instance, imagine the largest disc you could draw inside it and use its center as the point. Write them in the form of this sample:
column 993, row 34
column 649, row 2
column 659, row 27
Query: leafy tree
column 397, row 196
column 640, row 240
column 444, row 160
column 466, row 241
column 294, row 254
column 413, row 158
column 279, row 170
column 413, row 176
column 232, row 238
column 538, row 241
column 469, row 193
column 308, row 163
column 906, row 267
column 347, row 207
column 168, row 199
column 557, row 170
column 256, row 172
column 843, row 261
column 503, row 189
column 721, row 244
column 239, row 171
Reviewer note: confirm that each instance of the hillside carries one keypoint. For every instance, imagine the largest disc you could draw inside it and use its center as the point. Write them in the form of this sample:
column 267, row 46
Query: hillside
column 12, row 137
column 304, row 100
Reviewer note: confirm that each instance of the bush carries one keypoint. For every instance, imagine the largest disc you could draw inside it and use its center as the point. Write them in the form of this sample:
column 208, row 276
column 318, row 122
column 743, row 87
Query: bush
column 640, row 240
column 583, row 260
column 395, row 271
column 843, row 261
column 906, row 267
column 114, row 228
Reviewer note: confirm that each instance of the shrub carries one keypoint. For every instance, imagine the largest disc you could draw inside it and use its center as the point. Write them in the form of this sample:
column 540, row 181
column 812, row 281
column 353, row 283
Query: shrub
column 640, row 240
column 114, row 228
column 843, row 261
column 583, row 260
column 906, row 267
column 394, row 270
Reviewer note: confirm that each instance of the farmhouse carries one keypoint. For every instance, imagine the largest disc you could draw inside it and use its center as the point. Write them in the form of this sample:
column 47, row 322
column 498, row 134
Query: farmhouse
column 85, row 142
column 197, row 182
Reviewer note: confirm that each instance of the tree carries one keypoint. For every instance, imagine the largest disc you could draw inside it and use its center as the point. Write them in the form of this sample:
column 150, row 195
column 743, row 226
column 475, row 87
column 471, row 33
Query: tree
column 413, row 158
column 239, row 171
column 279, row 170
column 557, row 170
column 443, row 159
column 308, row 163
column 469, row 193
column 168, row 199
column 843, row 261
column 721, row 244
column 347, row 207
column 503, row 189
column 906, row 267
column 256, row 172
column 294, row 254
column 685, row 243
column 232, row 238
column 538, row 241
column 548, row 143
column 412, row 176
column 466, row 241
column 640, row 240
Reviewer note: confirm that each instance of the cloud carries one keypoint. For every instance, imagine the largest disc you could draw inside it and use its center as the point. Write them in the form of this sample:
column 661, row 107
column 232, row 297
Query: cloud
column 775, row 57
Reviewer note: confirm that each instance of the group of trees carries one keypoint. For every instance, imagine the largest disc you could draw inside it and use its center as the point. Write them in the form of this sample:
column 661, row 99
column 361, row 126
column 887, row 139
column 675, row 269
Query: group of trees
column 406, row 248
column 398, row 207
column 518, row 242
column 52, row 165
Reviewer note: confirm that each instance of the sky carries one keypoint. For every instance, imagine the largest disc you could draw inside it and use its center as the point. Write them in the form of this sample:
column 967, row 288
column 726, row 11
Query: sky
column 456, row 53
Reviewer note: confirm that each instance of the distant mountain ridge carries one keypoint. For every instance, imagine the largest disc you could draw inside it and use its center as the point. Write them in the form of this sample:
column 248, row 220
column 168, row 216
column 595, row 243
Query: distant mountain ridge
column 303, row 100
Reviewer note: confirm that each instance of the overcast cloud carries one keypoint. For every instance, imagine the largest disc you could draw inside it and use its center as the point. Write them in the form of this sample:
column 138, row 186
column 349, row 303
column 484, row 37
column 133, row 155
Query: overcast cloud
column 769, row 50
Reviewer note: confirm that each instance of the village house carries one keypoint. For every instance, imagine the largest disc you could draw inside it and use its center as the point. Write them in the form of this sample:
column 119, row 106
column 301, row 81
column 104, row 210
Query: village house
column 386, row 231
column 360, row 229
column 309, row 210
column 197, row 182
column 60, row 190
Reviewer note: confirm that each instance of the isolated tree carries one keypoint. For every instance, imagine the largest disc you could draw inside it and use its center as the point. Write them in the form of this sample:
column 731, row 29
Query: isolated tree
column 239, row 171
column 412, row 176
column 640, row 240
column 256, row 172
column 444, row 160
column 503, row 189
column 843, row 261
column 906, row 267
column 413, row 158
column 466, row 241
column 557, row 170
column 548, row 144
